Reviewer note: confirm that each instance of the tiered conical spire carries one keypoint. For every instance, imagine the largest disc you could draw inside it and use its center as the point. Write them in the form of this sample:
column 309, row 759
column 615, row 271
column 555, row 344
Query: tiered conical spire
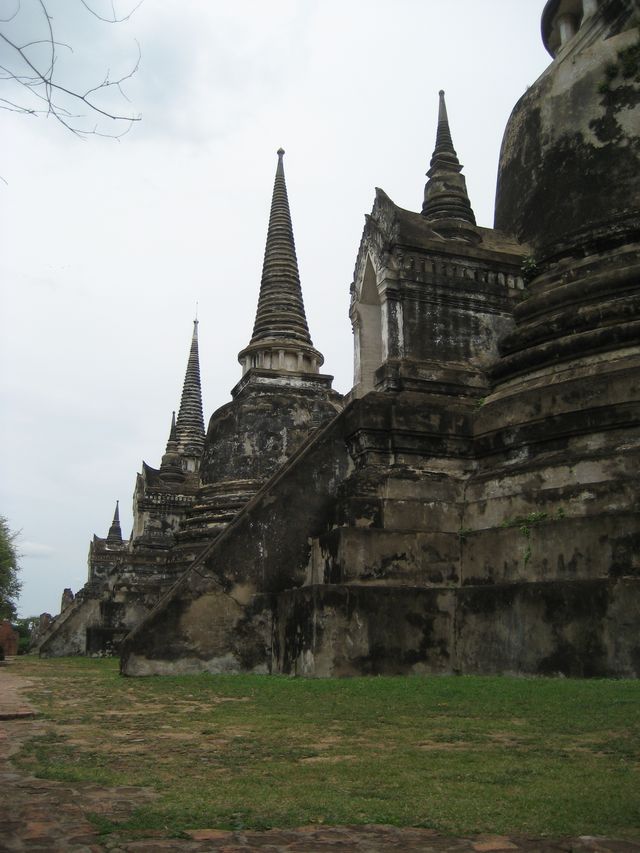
column 280, row 342
column 171, row 466
column 445, row 194
column 114, row 536
column 172, row 442
column 280, row 311
column 190, row 423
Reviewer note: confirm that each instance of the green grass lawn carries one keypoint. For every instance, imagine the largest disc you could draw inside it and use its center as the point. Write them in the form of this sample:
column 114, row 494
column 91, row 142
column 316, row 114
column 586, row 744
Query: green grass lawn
column 458, row 754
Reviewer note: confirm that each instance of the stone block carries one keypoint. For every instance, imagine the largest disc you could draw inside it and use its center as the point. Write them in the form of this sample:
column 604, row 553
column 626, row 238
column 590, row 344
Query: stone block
column 343, row 630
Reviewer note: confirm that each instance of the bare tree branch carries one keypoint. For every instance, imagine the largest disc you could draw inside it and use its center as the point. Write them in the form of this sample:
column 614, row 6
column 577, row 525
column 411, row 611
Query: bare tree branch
column 39, row 81
column 11, row 17
column 16, row 108
column 45, row 41
column 115, row 19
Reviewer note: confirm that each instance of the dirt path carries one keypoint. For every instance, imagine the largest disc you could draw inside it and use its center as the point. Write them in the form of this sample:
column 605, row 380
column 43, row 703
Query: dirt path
column 51, row 817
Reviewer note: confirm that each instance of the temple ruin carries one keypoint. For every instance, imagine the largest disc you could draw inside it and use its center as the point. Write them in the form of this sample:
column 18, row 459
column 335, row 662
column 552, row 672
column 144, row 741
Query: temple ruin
column 472, row 505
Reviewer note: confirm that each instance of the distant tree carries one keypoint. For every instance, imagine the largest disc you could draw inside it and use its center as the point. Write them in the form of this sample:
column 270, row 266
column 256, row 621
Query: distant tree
column 25, row 628
column 29, row 70
column 9, row 568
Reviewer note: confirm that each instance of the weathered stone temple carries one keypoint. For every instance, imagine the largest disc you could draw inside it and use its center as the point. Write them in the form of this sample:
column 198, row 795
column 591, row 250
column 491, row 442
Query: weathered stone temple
column 203, row 481
column 473, row 505
column 126, row 577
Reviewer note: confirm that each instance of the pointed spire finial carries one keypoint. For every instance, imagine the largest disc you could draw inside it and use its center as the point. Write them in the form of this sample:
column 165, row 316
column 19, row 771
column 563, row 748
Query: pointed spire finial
column 280, row 311
column 190, row 422
column 114, row 536
column 445, row 193
column 171, row 465
column 444, row 143
column 173, row 433
column 280, row 341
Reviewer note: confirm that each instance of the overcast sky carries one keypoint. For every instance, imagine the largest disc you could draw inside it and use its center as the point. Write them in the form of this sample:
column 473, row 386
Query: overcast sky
column 107, row 245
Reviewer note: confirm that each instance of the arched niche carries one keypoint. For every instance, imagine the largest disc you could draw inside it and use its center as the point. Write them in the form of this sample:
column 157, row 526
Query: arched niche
column 367, row 329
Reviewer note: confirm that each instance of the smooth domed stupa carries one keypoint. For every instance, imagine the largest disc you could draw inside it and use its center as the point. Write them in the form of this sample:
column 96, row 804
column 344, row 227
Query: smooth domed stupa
column 569, row 175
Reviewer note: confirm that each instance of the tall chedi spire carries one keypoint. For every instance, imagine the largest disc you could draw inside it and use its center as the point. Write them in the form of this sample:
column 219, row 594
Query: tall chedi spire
column 279, row 400
column 280, row 342
column 114, row 536
column 190, row 423
column 445, row 193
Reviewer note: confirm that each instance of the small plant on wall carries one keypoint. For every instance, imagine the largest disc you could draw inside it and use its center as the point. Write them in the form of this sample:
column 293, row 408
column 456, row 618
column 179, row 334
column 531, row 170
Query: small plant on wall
column 529, row 268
